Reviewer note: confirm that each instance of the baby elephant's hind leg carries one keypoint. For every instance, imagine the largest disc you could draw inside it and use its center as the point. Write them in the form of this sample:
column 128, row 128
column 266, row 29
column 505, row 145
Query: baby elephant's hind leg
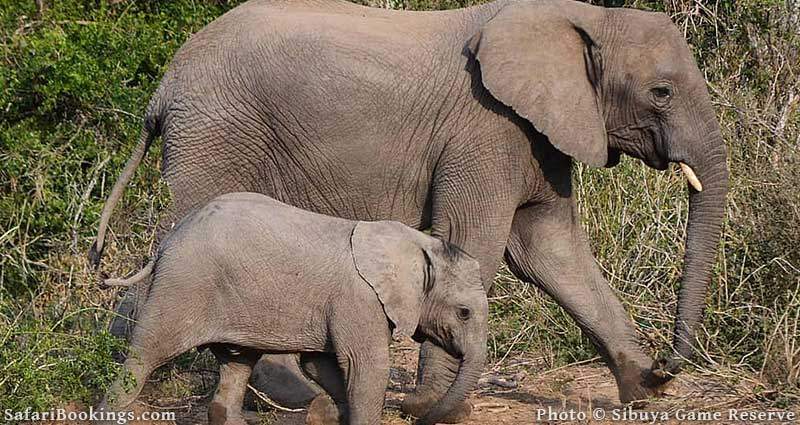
column 235, row 366
column 127, row 386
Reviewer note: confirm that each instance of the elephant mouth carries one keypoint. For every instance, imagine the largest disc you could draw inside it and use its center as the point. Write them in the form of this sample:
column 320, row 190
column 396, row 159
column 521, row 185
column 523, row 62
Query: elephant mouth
column 688, row 172
column 661, row 163
column 419, row 337
column 657, row 162
column 450, row 348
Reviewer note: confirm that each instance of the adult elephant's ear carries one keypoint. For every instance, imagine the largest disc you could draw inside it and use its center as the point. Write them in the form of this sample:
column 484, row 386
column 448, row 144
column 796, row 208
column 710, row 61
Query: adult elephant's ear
column 541, row 59
column 396, row 267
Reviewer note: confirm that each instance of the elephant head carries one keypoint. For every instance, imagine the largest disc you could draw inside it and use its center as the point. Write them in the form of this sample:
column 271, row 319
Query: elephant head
column 598, row 82
column 429, row 289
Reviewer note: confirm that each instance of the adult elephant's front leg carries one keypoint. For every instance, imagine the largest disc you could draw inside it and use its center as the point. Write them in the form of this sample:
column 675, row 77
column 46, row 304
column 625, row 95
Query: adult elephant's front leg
column 548, row 247
column 478, row 224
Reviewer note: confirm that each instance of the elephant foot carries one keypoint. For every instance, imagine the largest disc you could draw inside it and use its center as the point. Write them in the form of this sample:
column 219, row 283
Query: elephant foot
column 221, row 415
column 323, row 411
column 418, row 405
column 638, row 384
column 280, row 378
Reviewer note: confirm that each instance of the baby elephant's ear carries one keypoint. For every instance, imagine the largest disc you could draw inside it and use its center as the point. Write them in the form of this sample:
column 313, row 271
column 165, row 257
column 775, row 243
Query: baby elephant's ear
column 389, row 258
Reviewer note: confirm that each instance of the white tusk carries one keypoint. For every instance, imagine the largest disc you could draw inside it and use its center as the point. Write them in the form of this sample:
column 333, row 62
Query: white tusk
column 692, row 177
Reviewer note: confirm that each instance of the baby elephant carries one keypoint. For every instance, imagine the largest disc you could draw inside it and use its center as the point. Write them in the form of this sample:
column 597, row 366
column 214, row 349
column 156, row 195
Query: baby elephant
column 246, row 275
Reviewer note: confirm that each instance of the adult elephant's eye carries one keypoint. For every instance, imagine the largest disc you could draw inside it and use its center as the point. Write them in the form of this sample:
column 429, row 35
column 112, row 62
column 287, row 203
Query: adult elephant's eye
column 661, row 94
column 464, row 313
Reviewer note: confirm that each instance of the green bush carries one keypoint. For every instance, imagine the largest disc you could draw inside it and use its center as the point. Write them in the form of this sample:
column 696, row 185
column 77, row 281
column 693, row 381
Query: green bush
column 75, row 83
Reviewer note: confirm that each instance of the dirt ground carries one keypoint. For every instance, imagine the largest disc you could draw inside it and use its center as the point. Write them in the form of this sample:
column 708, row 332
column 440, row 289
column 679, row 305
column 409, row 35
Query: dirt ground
column 514, row 392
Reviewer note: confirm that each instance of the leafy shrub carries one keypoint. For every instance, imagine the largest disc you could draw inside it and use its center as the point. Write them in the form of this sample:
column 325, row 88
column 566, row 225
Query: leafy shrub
column 74, row 84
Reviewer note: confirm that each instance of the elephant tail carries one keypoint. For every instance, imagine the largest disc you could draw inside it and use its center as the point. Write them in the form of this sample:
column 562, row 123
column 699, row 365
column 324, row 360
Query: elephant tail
column 127, row 311
column 141, row 275
column 149, row 133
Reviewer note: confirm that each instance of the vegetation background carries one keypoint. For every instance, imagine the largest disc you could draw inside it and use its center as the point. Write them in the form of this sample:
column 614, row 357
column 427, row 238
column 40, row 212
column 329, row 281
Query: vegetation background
column 76, row 75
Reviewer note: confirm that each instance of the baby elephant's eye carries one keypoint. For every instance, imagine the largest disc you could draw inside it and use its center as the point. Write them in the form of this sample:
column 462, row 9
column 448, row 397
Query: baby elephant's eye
column 464, row 313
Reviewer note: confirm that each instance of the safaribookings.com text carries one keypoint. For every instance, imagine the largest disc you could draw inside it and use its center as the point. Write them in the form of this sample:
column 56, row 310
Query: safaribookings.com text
column 91, row 415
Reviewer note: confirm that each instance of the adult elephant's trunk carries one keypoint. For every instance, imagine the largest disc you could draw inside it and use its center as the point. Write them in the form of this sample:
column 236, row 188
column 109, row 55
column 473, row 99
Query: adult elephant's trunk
column 468, row 373
column 706, row 211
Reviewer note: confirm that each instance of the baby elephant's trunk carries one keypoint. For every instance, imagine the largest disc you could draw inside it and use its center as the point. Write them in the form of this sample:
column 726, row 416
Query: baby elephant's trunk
column 469, row 371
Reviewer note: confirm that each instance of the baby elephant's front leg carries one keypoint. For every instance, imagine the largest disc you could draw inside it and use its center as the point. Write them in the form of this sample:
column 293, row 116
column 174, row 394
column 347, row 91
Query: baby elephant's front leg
column 366, row 374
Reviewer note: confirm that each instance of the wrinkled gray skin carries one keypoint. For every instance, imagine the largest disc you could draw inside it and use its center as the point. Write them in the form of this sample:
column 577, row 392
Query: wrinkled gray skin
column 246, row 275
column 464, row 121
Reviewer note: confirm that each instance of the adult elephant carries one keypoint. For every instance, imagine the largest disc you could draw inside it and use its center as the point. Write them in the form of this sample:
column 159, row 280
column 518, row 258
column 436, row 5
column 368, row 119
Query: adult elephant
column 464, row 121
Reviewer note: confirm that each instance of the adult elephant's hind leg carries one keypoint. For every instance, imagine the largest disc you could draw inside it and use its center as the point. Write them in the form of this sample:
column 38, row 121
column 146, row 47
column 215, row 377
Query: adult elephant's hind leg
column 548, row 247
column 279, row 376
column 235, row 366
column 325, row 370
